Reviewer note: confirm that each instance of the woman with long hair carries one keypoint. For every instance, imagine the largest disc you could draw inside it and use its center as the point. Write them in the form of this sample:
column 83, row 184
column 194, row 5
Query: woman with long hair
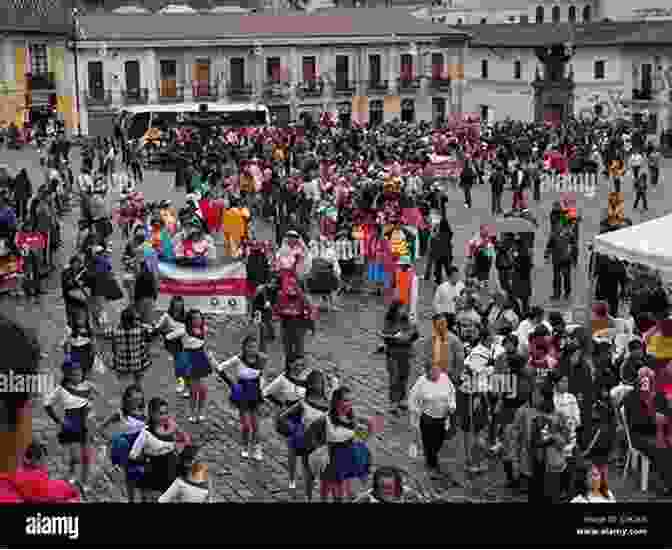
column 197, row 362
column 246, row 394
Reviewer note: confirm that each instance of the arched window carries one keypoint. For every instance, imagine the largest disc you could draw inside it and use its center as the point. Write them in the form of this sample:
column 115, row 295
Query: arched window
column 571, row 15
column 540, row 14
column 459, row 21
column 556, row 14
column 586, row 14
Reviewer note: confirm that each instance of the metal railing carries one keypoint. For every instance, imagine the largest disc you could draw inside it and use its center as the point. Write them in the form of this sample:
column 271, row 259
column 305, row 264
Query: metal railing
column 440, row 84
column 311, row 88
column 135, row 96
column 380, row 86
column 98, row 96
column 642, row 95
column 344, row 88
column 275, row 89
column 239, row 91
column 408, row 84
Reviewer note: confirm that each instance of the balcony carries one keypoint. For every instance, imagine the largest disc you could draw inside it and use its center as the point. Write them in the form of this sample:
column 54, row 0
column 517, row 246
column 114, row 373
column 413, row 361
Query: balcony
column 135, row 96
column 276, row 90
column 99, row 97
column 170, row 92
column 240, row 91
column 344, row 88
column 41, row 81
column 310, row 88
column 408, row 84
column 440, row 84
column 378, row 86
column 642, row 94
column 204, row 91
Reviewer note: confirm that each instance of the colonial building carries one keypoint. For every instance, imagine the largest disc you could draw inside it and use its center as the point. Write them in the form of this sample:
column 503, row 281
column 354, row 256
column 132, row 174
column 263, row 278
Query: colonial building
column 341, row 60
column 537, row 71
column 465, row 12
column 33, row 39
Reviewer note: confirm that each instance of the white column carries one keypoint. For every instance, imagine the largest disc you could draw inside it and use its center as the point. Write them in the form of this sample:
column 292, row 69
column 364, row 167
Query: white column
column 149, row 73
column 117, row 84
column 82, row 61
column 188, row 75
column 628, row 80
column 8, row 60
column 294, row 71
column 393, row 69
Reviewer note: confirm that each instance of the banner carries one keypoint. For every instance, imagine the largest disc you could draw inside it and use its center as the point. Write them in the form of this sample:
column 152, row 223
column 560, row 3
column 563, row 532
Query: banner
column 220, row 290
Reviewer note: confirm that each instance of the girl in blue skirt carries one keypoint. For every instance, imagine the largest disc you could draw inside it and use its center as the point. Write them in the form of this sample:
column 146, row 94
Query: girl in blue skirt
column 246, row 392
column 171, row 326
column 132, row 418
column 198, row 363
column 75, row 396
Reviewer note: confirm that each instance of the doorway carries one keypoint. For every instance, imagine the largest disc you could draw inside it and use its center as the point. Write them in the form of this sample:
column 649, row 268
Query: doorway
column 201, row 78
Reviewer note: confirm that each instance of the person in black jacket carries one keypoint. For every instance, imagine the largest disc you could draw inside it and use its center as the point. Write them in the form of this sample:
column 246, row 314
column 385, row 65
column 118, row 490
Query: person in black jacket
column 611, row 281
column 562, row 250
column 23, row 190
column 467, row 181
column 262, row 307
column 145, row 294
column 497, row 183
column 440, row 252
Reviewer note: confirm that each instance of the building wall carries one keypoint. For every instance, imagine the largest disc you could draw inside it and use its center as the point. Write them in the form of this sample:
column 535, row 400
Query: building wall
column 291, row 60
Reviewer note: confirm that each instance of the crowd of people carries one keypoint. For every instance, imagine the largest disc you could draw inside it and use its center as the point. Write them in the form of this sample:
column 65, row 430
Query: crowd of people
column 354, row 210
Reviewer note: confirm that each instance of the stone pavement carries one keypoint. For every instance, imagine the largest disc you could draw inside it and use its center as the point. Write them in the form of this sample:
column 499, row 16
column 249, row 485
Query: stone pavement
column 344, row 343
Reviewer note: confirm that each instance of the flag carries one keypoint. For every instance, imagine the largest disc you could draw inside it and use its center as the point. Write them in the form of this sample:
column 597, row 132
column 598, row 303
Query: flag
column 215, row 290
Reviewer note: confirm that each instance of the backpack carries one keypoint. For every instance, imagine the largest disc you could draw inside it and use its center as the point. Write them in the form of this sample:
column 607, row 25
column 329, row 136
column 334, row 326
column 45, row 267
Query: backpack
column 120, row 448
column 258, row 268
column 315, row 436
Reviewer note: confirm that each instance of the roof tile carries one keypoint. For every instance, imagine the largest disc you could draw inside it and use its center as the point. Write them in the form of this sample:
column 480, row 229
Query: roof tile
column 345, row 22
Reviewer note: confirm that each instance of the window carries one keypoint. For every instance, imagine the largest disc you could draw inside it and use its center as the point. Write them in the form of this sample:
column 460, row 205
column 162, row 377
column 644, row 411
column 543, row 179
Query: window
column 132, row 72
column 556, row 14
column 437, row 66
column 484, row 113
column 408, row 111
column 309, row 69
column 345, row 114
column 484, row 68
column 484, row 20
column 237, row 73
column 273, row 69
column 540, row 14
column 39, row 60
column 571, row 14
column 168, row 71
column 96, row 82
column 599, row 70
column 406, row 67
column 342, row 72
column 517, row 70
column 374, row 69
column 376, row 112
column 647, row 81
column 459, row 21
column 586, row 14
column 438, row 110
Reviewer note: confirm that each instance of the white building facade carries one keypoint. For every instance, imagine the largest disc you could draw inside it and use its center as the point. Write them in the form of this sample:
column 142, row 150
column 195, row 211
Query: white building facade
column 340, row 61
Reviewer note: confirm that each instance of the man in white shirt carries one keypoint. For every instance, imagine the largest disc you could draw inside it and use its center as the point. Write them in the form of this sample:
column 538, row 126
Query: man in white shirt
column 527, row 326
column 447, row 293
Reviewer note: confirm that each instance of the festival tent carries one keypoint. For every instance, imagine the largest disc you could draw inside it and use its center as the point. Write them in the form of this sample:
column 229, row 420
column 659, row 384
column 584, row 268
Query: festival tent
column 649, row 243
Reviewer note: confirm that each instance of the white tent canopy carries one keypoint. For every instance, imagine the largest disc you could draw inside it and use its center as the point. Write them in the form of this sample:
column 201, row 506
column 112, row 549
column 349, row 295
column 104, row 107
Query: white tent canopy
column 648, row 243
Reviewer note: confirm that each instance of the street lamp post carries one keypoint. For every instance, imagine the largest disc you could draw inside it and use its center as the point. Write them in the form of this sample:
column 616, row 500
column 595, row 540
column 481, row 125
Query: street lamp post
column 75, row 13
